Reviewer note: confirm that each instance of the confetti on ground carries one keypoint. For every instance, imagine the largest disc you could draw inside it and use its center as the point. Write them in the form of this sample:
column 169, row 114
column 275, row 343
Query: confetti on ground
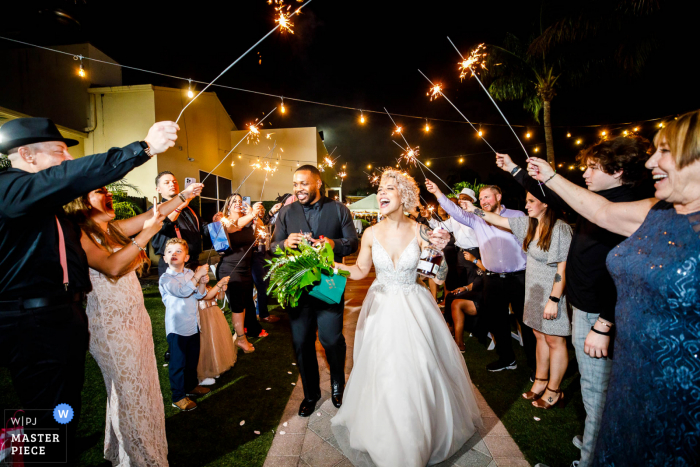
column 537, row 419
column 283, row 432
column 289, row 372
column 256, row 432
column 284, row 424
column 318, row 414
column 242, row 422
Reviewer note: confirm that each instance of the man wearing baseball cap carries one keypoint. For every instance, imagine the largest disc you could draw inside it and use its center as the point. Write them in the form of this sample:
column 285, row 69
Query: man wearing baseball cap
column 43, row 269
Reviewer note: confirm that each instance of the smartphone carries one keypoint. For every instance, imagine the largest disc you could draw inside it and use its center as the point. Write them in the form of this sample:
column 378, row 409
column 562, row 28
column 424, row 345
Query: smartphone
column 189, row 181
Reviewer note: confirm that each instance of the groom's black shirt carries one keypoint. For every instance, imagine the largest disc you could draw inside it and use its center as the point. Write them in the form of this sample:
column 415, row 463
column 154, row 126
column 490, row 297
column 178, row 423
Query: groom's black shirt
column 326, row 217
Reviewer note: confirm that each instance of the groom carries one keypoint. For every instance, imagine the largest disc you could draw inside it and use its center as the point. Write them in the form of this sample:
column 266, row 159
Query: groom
column 329, row 222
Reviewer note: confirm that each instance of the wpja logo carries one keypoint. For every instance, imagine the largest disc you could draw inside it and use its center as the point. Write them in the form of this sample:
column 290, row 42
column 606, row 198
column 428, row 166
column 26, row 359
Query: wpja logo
column 32, row 436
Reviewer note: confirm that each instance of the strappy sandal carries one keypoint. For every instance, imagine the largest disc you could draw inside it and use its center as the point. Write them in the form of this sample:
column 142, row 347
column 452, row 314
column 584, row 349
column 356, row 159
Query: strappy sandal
column 243, row 344
column 547, row 404
column 531, row 396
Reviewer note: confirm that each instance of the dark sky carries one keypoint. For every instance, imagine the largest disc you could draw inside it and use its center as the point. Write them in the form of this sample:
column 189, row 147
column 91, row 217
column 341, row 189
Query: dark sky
column 366, row 55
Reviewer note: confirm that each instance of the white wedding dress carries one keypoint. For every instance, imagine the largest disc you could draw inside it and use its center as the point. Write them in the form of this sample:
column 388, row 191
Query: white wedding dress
column 409, row 400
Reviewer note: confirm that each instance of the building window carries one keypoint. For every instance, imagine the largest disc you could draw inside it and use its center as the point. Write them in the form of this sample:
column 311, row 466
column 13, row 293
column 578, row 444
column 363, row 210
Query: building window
column 214, row 194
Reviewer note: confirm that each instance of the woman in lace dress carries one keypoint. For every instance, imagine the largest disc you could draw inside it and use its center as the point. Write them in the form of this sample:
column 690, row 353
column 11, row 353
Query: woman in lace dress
column 121, row 339
column 409, row 400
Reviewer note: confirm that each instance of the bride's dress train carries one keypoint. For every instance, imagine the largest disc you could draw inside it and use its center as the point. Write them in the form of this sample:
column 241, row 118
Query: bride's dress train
column 409, row 399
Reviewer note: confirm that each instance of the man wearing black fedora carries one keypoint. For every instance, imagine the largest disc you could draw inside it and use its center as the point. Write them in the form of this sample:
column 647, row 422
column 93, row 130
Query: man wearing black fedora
column 43, row 269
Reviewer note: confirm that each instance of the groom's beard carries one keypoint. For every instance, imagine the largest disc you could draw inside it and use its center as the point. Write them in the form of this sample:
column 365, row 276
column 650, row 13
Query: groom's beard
column 311, row 194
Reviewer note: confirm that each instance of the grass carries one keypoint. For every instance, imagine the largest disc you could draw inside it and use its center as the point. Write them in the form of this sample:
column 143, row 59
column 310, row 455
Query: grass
column 548, row 440
column 212, row 434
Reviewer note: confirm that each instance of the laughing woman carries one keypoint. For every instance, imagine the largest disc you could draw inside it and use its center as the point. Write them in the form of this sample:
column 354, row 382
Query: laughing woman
column 546, row 240
column 652, row 412
column 121, row 339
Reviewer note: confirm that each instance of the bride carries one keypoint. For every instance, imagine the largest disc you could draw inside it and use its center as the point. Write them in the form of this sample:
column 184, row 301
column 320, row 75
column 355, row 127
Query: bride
column 409, row 399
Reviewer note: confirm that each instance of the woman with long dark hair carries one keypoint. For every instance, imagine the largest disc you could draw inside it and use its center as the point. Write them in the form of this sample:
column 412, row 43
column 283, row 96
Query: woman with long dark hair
column 121, row 338
column 241, row 223
column 546, row 240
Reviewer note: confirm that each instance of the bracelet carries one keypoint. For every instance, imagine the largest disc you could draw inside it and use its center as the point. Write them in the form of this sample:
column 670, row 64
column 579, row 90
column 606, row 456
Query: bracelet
column 600, row 332
column 609, row 325
column 515, row 170
column 137, row 245
column 545, row 182
column 178, row 210
column 182, row 197
column 554, row 299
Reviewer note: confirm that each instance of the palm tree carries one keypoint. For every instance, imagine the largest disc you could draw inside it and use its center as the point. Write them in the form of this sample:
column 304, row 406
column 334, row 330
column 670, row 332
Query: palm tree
column 515, row 74
column 583, row 37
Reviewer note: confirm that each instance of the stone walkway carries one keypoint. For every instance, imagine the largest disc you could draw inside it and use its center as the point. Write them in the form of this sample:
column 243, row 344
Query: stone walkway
column 309, row 441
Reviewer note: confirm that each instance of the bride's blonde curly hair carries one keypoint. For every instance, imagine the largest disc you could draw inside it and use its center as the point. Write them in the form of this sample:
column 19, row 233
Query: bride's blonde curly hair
column 408, row 188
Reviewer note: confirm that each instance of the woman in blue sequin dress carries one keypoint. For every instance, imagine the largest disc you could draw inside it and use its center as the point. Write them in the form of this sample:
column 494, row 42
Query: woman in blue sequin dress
column 652, row 412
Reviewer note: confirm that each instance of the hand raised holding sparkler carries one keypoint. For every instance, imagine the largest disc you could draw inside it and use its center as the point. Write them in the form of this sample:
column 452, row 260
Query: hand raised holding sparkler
column 161, row 137
column 432, row 188
column 504, row 162
column 540, row 170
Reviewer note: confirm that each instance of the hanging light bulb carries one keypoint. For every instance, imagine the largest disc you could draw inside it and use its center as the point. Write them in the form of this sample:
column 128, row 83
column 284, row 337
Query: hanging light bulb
column 568, row 135
column 578, row 141
column 603, row 133
column 297, row 163
column 427, row 126
column 537, row 149
column 427, row 163
column 636, row 129
column 560, row 165
column 81, row 71
column 190, row 94
column 481, row 133
column 362, row 117
column 661, row 124
column 461, row 159
column 625, row 132
column 282, row 109
column 369, row 166
column 527, row 135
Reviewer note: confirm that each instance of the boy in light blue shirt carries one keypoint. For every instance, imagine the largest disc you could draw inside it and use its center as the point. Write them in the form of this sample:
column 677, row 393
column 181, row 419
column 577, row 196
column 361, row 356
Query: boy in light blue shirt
column 180, row 289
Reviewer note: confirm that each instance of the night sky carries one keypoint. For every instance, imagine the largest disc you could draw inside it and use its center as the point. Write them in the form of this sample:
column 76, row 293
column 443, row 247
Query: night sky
column 366, row 55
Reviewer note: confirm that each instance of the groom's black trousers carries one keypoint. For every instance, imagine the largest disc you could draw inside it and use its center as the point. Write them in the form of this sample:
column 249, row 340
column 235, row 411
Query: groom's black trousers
column 310, row 315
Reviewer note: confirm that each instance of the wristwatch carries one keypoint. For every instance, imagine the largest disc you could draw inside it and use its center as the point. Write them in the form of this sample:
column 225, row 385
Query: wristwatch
column 146, row 148
column 476, row 261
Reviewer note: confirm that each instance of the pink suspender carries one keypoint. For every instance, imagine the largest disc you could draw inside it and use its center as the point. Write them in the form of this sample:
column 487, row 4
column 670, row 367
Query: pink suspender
column 62, row 253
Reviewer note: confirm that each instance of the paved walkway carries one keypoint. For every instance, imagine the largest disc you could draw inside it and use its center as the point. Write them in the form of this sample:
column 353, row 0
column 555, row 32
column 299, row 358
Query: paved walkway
column 309, row 441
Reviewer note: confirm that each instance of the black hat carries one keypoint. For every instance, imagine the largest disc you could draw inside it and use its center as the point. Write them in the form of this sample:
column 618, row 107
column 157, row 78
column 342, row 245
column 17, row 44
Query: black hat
column 22, row 131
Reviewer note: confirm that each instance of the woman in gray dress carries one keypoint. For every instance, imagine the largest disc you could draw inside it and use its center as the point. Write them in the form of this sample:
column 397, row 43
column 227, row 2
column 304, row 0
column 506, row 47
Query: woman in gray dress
column 546, row 239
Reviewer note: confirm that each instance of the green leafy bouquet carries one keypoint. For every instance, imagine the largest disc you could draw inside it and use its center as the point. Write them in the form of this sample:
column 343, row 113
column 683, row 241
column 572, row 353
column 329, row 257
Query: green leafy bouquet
column 295, row 271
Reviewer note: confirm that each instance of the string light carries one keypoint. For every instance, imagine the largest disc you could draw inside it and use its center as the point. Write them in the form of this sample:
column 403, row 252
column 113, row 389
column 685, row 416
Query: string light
column 81, row 70
column 560, row 165
column 578, row 141
column 427, row 126
column 427, row 163
column 636, row 129
column 537, row 149
column 362, row 117
column 661, row 124
column 282, row 109
column 625, row 132
column 369, row 166
column 481, row 132
column 527, row 135
column 568, row 135
column 190, row 94
column 461, row 159
column 603, row 133
column 571, row 167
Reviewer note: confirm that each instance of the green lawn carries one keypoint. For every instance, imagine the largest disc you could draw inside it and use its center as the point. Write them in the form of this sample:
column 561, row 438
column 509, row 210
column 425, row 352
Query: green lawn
column 547, row 440
column 211, row 434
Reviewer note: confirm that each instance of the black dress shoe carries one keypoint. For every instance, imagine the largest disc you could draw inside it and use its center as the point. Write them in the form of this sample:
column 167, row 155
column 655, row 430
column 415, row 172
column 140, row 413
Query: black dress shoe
column 337, row 393
column 307, row 407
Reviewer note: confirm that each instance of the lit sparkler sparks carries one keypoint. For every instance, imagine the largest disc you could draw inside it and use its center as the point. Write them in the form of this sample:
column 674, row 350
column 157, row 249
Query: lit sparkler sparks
column 410, row 156
column 268, row 168
column 435, row 92
column 284, row 18
column 253, row 134
column 397, row 131
column 474, row 61
column 373, row 179
column 226, row 222
column 342, row 175
column 329, row 162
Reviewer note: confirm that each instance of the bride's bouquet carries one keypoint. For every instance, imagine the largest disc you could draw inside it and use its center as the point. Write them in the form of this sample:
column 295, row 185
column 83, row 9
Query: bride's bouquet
column 306, row 269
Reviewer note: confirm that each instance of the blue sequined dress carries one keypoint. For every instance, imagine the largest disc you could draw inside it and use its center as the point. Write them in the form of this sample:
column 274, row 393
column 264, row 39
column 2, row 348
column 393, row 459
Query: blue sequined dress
column 652, row 412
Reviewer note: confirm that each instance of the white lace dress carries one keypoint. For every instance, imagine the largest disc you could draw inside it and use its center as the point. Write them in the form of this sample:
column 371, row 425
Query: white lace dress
column 409, row 400
column 121, row 342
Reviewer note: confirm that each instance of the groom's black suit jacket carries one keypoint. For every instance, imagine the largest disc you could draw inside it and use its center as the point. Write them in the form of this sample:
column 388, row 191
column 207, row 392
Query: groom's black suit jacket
column 334, row 222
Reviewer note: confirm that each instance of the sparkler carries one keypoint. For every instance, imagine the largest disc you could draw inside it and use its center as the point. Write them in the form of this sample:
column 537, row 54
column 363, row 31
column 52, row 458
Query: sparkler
column 244, row 137
column 253, row 133
column 373, row 179
column 470, row 65
column 255, row 166
column 284, row 25
column 475, row 60
column 435, row 92
column 268, row 171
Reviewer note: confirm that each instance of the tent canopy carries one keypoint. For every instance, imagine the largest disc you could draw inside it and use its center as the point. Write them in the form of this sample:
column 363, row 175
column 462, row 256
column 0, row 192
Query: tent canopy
column 369, row 203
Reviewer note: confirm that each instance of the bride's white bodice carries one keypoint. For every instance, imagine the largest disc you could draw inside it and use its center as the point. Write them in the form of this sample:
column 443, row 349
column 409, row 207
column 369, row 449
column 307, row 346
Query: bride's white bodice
column 404, row 277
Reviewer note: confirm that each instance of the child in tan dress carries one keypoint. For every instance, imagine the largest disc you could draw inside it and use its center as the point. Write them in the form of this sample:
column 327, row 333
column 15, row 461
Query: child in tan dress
column 217, row 353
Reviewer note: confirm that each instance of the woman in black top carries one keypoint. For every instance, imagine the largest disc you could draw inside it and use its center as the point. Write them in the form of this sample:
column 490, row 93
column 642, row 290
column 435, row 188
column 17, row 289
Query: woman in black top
column 241, row 223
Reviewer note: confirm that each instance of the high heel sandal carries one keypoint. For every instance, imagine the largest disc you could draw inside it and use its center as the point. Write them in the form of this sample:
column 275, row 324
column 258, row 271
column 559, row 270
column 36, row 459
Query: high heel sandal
column 241, row 344
column 543, row 404
column 531, row 396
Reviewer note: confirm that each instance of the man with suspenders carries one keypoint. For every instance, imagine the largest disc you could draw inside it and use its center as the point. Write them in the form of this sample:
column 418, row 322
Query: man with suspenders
column 183, row 223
